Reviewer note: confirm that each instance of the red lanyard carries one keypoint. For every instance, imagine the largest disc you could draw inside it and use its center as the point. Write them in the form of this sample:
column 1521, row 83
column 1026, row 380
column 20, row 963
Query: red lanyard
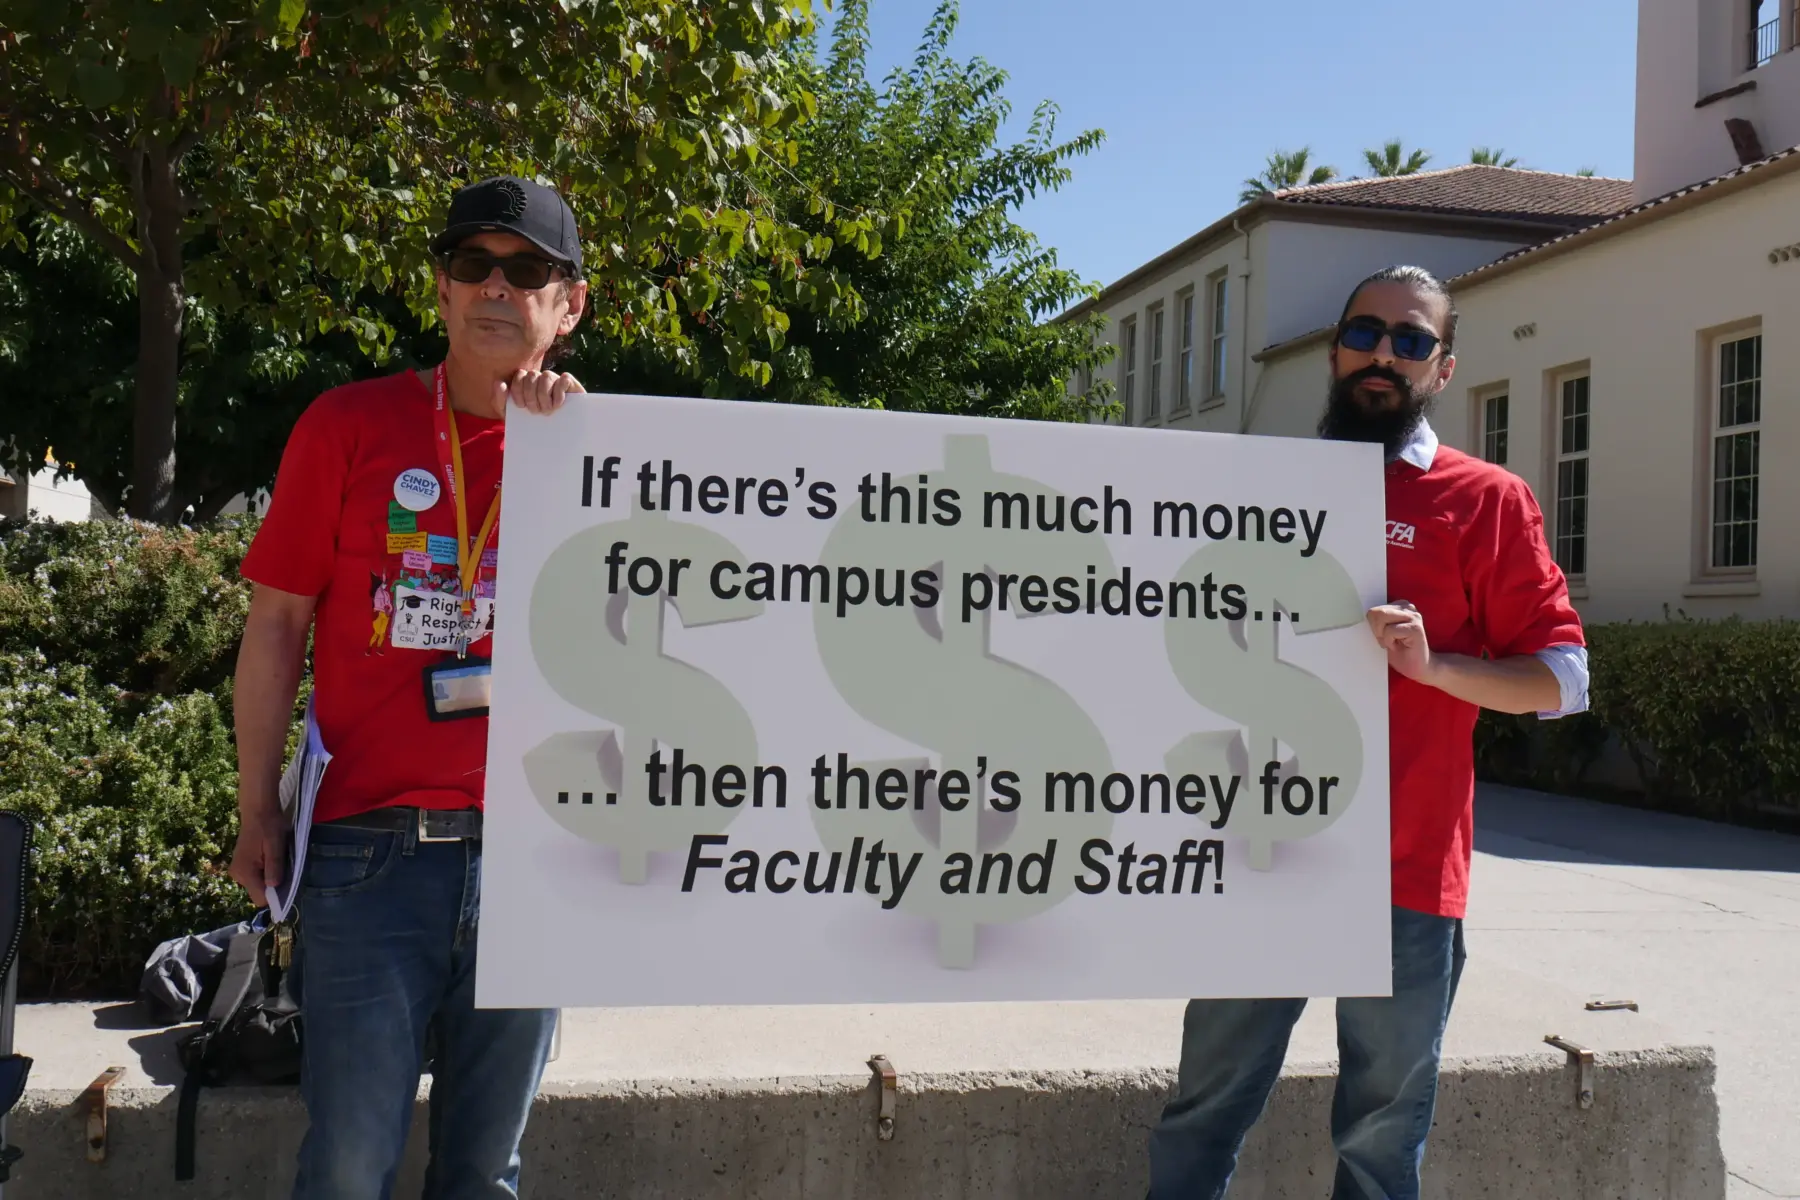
column 449, row 451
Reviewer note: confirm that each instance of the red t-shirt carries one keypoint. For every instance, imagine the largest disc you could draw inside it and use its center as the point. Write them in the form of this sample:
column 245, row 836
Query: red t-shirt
column 380, row 555
column 1466, row 546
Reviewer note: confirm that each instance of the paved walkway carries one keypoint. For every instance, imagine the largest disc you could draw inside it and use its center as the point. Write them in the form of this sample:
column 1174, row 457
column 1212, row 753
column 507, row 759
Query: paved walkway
column 1697, row 922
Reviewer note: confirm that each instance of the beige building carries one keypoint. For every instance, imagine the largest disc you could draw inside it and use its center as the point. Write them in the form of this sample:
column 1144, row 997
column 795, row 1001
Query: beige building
column 1633, row 374
column 1631, row 366
column 44, row 496
column 1189, row 323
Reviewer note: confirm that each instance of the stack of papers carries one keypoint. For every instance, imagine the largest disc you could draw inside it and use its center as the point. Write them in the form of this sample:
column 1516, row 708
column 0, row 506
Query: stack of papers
column 299, row 791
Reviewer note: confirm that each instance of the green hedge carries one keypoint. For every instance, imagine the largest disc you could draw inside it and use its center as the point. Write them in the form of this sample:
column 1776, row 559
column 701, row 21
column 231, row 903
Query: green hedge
column 117, row 643
column 1707, row 711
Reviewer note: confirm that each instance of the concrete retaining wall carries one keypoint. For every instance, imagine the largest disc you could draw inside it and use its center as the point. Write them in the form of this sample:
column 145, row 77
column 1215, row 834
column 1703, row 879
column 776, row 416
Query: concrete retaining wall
column 612, row 1123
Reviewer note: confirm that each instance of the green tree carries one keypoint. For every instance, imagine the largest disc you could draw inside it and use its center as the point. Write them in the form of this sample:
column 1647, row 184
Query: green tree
column 1392, row 159
column 1286, row 169
column 1483, row 156
column 279, row 166
column 1586, row 172
column 958, row 301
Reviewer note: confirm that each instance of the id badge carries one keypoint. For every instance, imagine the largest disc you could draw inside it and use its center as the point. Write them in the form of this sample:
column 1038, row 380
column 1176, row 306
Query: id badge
column 456, row 688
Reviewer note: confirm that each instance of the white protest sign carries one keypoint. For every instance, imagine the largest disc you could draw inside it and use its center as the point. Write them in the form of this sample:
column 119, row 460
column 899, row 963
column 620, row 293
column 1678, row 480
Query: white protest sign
column 810, row 705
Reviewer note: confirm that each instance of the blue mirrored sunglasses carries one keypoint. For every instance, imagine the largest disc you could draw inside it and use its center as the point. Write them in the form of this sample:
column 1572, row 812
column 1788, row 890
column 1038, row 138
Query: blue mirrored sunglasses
column 1364, row 334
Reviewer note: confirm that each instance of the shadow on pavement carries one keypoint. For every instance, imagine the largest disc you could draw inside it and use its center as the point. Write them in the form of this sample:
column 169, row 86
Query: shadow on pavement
column 155, row 1047
column 1518, row 824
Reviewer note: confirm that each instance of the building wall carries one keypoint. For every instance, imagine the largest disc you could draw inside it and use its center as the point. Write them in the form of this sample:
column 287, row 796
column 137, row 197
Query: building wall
column 1308, row 270
column 1284, row 277
column 1692, row 49
column 44, row 496
column 1641, row 313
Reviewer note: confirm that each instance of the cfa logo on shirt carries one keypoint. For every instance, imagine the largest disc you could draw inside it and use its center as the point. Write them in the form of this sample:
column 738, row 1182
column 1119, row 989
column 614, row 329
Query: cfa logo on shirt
column 1400, row 535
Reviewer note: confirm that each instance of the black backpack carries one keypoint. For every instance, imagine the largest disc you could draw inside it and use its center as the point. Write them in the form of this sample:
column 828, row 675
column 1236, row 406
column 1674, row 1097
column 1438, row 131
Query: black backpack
column 251, row 1033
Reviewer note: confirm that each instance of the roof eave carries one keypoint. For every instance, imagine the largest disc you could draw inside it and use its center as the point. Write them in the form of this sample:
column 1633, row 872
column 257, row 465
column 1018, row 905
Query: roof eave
column 1273, row 207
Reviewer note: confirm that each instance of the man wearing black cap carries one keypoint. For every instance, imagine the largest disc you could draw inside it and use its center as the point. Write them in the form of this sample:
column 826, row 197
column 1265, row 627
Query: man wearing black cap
column 382, row 540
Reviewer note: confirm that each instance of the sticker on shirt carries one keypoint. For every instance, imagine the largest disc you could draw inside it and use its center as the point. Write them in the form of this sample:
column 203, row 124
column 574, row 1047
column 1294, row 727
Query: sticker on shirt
column 443, row 550
column 416, row 489
column 416, row 560
column 382, row 602
column 490, row 559
column 401, row 519
column 427, row 620
column 400, row 543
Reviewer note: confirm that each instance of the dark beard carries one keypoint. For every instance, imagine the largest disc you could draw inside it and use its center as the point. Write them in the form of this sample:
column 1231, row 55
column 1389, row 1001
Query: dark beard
column 1346, row 419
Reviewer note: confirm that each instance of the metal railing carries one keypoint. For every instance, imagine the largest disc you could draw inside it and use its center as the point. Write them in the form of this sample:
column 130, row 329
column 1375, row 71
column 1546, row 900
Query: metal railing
column 1765, row 43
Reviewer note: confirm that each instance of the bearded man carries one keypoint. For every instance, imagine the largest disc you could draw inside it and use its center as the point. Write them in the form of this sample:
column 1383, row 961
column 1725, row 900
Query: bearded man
column 1478, row 617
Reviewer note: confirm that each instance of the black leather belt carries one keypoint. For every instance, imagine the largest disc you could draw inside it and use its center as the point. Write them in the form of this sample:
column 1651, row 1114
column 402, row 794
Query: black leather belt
column 432, row 824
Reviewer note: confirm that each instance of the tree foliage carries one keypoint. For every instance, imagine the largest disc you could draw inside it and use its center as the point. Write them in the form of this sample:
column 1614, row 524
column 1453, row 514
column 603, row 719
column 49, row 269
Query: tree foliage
column 275, row 168
column 1485, row 156
column 957, row 299
column 1393, row 159
column 1286, row 169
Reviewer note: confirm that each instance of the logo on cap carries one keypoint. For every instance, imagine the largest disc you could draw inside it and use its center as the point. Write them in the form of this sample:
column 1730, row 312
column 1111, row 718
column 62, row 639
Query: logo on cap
column 511, row 197
column 416, row 489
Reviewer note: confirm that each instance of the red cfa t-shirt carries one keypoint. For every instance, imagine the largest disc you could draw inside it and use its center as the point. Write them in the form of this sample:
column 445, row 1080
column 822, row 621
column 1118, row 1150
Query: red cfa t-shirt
column 361, row 518
column 1466, row 546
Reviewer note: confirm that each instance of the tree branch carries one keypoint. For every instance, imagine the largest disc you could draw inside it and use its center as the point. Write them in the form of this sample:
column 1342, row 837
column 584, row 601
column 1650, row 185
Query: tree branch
column 62, row 201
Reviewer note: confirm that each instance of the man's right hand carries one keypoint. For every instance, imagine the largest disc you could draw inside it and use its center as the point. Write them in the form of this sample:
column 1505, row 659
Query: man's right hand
column 260, row 857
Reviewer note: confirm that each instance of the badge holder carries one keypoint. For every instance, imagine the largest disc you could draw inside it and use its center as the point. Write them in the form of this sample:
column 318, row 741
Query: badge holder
column 458, row 688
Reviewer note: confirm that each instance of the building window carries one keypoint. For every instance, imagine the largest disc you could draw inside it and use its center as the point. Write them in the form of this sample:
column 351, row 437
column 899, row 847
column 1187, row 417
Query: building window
column 1184, row 385
column 1765, row 31
column 1572, row 476
column 1215, row 375
column 1493, row 429
column 1153, row 398
column 1736, row 453
column 1128, row 368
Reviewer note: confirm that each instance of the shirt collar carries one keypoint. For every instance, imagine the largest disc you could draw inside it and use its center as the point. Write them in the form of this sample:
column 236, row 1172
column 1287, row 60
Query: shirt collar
column 1421, row 448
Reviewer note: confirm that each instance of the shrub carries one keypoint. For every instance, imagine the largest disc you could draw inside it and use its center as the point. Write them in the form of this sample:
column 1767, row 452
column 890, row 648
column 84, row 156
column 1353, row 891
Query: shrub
column 117, row 643
column 1706, row 710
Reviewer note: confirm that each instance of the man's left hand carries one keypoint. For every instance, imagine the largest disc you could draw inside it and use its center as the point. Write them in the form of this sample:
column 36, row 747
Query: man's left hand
column 539, row 391
column 1400, row 630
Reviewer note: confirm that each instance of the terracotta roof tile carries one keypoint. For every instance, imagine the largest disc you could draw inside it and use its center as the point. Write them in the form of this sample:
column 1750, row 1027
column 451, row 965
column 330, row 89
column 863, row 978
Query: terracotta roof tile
column 1472, row 189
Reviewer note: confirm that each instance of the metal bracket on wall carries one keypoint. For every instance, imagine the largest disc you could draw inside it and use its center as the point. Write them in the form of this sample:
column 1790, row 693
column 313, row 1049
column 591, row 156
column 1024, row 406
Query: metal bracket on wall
column 93, row 1106
column 1612, row 1005
column 888, row 1083
column 1583, row 1058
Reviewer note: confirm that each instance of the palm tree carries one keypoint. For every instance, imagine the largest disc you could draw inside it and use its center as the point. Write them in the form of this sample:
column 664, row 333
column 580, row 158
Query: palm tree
column 1392, row 160
column 1481, row 156
column 1286, row 170
column 1586, row 172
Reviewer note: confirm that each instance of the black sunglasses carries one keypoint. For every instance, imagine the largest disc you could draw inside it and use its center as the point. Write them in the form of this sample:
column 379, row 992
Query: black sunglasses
column 526, row 271
column 1364, row 334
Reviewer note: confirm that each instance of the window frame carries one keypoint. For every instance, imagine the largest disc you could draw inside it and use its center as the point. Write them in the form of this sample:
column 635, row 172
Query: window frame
column 1486, row 434
column 1155, row 317
column 1559, row 456
column 1218, row 335
column 1128, row 328
column 1184, row 349
column 1716, row 431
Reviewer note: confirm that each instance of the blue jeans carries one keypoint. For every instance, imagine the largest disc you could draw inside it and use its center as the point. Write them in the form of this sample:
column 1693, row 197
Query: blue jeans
column 384, row 957
column 1388, row 1053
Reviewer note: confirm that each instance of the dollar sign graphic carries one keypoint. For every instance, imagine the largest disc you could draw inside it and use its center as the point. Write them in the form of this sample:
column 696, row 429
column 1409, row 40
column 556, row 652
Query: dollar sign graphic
column 604, row 654
column 1234, row 668
column 932, row 678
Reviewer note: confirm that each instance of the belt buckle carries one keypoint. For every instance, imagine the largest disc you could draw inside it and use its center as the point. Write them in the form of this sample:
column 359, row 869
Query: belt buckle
column 425, row 837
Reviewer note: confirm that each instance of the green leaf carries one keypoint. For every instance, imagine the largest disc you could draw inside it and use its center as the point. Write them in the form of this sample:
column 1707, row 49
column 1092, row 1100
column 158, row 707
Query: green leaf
column 180, row 58
column 290, row 14
column 98, row 85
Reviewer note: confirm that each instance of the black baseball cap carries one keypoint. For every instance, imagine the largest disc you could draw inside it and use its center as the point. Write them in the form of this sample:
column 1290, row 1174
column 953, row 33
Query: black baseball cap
column 507, row 204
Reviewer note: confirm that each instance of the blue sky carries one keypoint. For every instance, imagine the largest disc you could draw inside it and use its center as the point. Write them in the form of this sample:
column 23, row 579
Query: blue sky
column 1193, row 94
